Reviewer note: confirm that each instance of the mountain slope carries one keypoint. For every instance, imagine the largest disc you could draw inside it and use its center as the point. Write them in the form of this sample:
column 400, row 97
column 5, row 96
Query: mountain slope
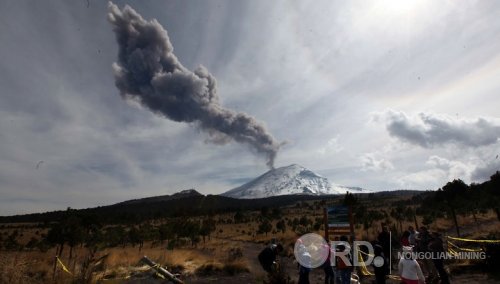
column 181, row 194
column 293, row 179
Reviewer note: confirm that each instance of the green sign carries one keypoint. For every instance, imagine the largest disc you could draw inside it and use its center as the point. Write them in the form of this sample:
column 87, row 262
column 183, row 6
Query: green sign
column 338, row 216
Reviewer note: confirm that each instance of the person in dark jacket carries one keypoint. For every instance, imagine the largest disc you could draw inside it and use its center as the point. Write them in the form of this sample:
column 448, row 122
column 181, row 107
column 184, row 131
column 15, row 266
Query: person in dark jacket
column 304, row 264
column 344, row 264
column 384, row 239
column 437, row 248
column 267, row 257
column 327, row 266
column 304, row 272
column 424, row 238
column 380, row 270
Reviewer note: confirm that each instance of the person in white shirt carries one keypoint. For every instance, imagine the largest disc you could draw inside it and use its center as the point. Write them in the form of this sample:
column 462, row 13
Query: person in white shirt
column 409, row 269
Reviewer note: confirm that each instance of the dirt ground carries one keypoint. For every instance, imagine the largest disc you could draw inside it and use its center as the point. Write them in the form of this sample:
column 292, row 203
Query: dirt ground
column 257, row 275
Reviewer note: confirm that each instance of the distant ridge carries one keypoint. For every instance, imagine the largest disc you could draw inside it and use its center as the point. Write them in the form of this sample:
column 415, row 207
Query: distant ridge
column 178, row 195
column 182, row 204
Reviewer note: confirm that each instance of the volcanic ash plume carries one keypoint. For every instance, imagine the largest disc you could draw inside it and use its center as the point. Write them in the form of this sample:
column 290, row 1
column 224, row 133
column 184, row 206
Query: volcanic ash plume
column 148, row 71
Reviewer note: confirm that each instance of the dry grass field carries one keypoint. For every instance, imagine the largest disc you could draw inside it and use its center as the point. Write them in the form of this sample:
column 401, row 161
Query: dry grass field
column 229, row 255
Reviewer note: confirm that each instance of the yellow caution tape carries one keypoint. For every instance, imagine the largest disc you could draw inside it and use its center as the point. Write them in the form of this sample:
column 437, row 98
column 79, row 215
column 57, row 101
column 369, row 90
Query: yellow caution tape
column 394, row 277
column 463, row 249
column 475, row 241
column 63, row 266
column 452, row 251
column 366, row 253
column 364, row 270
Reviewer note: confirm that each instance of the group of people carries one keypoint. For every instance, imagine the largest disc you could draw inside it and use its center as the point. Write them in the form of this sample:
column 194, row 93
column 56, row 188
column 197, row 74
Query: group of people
column 415, row 243
column 338, row 270
column 338, row 266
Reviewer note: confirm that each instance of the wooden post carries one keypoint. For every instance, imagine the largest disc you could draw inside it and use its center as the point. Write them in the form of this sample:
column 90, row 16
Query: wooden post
column 455, row 220
column 325, row 220
column 161, row 270
column 351, row 223
column 54, row 269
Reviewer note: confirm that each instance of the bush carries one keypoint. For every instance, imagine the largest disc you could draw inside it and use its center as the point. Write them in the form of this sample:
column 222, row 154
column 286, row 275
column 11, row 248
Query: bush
column 230, row 268
column 234, row 254
column 209, row 269
column 234, row 268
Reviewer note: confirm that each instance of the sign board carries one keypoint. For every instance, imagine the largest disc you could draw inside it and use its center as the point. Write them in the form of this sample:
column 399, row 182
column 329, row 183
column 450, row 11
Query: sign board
column 338, row 216
column 338, row 221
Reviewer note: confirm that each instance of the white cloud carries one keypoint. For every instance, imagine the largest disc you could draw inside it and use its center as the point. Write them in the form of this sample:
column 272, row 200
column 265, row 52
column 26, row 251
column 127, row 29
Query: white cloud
column 426, row 179
column 454, row 169
column 332, row 146
column 371, row 162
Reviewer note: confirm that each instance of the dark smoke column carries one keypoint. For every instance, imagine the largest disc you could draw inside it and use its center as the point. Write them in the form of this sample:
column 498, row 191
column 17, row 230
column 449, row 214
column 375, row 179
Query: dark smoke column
column 148, row 71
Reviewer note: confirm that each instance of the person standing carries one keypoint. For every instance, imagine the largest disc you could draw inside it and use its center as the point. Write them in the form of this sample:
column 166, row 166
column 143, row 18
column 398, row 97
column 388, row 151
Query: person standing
column 384, row 239
column 409, row 269
column 336, row 273
column 304, row 270
column 380, row 270
column 268, row 257
column 304, row 274
column 343, row 261
column 327, row 266
column 423, row 246
column 437, row 249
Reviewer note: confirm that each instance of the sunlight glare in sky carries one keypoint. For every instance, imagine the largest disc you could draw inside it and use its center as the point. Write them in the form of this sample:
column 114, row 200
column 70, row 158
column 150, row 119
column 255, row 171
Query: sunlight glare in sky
column 398, row 7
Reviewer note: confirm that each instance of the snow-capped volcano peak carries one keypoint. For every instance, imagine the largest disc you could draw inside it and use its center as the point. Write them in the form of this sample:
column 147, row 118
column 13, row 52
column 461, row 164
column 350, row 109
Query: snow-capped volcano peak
column 293, row 179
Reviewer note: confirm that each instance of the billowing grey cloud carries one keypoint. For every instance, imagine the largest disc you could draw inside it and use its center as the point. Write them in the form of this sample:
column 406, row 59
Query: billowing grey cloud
column 484, row 172
column 148, row 71
column 428, row 130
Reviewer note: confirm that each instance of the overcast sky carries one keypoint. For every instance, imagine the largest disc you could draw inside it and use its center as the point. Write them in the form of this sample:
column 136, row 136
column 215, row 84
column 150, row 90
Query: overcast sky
column 378, row 94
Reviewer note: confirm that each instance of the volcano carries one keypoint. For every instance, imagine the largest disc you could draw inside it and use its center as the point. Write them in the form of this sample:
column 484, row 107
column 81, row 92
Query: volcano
column 293, row 179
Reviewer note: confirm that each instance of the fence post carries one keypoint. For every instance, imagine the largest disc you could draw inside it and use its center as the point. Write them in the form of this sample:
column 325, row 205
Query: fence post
column 54, row 269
